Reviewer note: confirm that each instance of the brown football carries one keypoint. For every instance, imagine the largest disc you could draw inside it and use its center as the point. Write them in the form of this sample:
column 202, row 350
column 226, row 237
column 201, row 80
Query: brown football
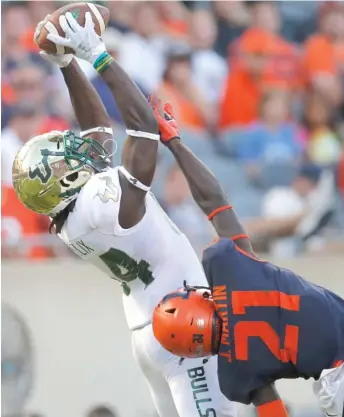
column 100, row 15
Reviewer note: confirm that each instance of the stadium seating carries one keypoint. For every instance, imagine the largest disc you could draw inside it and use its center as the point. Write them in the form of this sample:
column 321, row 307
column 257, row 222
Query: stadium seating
column 231, row 139
column 274, row 174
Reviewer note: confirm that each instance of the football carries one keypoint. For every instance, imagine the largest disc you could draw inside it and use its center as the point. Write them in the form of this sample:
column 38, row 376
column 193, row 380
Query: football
column 100, row 15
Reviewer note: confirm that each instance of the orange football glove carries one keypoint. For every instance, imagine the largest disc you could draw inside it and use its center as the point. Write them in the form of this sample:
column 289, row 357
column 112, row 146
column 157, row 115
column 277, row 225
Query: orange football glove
column 168, row 128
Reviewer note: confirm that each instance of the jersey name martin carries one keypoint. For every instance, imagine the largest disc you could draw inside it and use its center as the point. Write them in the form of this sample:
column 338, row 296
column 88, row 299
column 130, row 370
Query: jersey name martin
column 80, row 248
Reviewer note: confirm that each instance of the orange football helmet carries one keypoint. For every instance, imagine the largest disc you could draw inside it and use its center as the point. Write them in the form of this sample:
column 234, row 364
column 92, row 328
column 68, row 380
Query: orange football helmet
column 186, row 323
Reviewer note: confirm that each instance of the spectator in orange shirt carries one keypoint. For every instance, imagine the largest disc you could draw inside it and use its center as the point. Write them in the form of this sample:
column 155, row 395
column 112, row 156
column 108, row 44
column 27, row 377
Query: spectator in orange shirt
column 260, row 60
column 19, row 226
column 191, row 107
column 243, row 88
column 284, row 58
column 174, row 16
column 323, row 61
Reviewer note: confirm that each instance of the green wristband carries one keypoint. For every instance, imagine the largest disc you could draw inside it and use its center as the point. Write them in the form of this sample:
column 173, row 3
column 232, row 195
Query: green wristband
column 102, row 62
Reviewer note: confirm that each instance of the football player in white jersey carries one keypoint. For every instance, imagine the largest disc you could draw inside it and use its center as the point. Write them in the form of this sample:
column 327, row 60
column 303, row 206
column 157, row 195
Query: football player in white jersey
column 107, row 216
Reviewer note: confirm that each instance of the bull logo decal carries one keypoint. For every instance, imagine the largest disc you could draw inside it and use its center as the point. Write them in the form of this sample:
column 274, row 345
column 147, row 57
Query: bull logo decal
column 42, row 170
column 110, row 192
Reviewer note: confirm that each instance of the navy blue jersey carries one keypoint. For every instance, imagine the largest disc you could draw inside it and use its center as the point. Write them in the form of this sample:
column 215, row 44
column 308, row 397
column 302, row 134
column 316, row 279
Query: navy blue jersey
column 275, row 324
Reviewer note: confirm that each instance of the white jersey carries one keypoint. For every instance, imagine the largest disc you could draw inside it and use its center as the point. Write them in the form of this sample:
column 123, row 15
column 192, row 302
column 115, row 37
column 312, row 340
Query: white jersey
column 148, row 260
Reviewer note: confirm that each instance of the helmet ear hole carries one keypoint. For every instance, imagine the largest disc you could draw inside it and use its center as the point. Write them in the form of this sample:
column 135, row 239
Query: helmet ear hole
column 72, row 177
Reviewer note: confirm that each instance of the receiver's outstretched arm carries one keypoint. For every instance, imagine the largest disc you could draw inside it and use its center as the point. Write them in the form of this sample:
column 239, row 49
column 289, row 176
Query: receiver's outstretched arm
column 88, row 108
column 140, row 151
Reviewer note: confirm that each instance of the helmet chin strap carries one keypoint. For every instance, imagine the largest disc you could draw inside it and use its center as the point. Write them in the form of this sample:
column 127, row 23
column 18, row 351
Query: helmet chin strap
column 116, row 146
column 194, row 287
column 214, row 347
column 102, row 129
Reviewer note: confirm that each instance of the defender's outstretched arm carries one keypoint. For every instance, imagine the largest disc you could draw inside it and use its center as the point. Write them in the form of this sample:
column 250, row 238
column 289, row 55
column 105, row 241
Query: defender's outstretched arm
column 207, row 191
column 204, row 186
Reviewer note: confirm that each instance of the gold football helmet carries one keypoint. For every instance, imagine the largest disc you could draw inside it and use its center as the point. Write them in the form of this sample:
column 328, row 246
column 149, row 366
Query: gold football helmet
column 49, row 170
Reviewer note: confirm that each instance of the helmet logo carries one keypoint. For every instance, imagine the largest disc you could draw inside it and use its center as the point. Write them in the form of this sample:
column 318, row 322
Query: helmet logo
column 42, row 170
column 197, row 338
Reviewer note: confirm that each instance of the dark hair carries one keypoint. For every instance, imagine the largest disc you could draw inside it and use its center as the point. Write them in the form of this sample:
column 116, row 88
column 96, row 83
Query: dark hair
column 318, row 98
column 60, row 218
column 101, row 411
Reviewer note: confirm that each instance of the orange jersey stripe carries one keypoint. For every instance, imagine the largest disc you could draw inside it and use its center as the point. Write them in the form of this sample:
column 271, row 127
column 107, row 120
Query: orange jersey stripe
column 218, row 210
column 273, row 409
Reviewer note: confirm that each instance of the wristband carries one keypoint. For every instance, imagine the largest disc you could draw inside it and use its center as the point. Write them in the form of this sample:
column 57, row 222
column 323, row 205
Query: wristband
column 218, row 210
column 241, row 236
column 99, row 129
column 103, row 61
column 139, row 134
column 134, row 181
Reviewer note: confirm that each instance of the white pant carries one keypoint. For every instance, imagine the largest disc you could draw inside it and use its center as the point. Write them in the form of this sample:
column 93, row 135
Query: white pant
column 187, row 390
column 329, row 389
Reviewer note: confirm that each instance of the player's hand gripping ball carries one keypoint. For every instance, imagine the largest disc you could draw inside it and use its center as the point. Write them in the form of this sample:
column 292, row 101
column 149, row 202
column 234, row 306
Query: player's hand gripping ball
column 51, row 25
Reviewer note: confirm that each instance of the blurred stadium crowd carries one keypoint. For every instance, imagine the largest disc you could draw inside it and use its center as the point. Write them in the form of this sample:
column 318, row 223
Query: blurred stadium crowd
column 257, row 89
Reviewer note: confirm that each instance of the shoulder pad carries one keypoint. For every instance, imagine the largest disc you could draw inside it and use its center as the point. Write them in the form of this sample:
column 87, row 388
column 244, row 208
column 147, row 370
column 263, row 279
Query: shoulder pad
column 101, row 198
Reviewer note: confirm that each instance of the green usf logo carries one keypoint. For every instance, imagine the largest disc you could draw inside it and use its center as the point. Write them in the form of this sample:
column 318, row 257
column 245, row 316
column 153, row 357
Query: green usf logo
column 75, row 13
column 126, row 269
column 42, row 170
column 110, row 192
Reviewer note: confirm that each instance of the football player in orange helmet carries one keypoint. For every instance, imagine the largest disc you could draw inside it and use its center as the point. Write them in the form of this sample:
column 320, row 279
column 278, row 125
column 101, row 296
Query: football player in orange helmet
column 264, row 322
column 202, row 335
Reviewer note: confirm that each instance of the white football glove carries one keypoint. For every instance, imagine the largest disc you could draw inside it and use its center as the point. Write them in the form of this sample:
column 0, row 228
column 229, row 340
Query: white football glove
column 39, row 28
column 83, row 40
column 62, row 60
